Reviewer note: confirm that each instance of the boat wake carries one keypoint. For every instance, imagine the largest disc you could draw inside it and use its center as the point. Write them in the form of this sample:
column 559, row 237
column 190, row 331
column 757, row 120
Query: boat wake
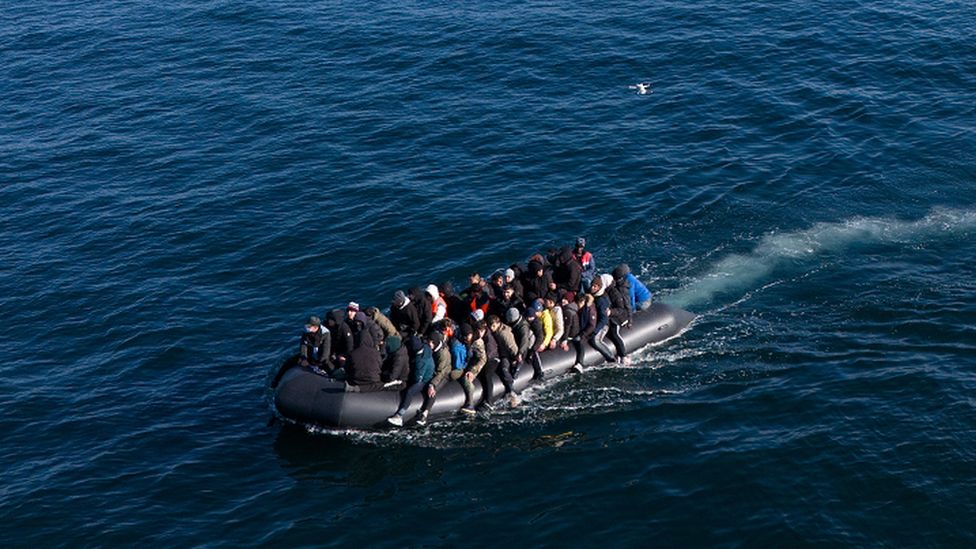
column 738, row 273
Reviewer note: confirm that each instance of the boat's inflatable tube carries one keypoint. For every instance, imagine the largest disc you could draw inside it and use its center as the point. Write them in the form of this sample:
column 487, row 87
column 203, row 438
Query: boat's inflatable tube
column 308, row 398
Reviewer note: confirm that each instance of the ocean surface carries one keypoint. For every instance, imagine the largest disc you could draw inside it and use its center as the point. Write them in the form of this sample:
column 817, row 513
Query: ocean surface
column 183, row 183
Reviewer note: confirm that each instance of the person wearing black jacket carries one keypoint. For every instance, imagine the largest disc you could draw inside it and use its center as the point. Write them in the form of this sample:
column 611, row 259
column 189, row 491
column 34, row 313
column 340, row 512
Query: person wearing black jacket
column 315, row 345
column 363, row 366
column 536, row 282
column 396, row 365
column 619, row 314
column 568, row 272
column 422, row 301
column 404, row 315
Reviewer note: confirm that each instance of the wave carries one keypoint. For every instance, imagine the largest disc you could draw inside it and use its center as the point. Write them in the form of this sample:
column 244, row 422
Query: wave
column 740, row 272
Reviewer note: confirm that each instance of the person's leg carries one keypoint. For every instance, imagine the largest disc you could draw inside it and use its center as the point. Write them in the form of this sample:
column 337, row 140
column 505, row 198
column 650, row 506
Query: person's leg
column 618, row 342
column 601, row 346
column 408, row 397
column 487, row 378
column 505, row 373
column 536, row 365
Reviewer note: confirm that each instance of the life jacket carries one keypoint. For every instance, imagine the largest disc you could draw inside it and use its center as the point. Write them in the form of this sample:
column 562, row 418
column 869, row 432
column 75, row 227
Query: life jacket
column 586, row 260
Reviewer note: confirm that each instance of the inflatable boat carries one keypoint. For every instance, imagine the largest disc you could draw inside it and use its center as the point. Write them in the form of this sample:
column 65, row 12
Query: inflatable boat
column 306, row 397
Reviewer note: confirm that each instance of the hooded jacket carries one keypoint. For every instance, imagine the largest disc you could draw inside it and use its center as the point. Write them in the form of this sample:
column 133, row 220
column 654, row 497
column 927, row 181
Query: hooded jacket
column 383, row 322
column 421, row 301
column 423, row 364
column 396, row 366
column 569, row 272
column 363, row 366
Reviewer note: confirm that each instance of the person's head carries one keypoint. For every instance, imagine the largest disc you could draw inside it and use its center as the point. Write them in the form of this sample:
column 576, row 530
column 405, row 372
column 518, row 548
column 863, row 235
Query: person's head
column 432, row 291
column 474, row 279
column 482, row 327
column 580, row 244
column 313, row 324
column 621, row 271
column 596, row 286
column 509, row 275
column 508, row 293
column 494, row 322
column 535, row 268
column 351, row 310
column 399, row 298
column 568, row 297
column 498, row 279
column 512, row 315
column 435, row 339
column 478, row 315
column 466, row 333
column 550, row 300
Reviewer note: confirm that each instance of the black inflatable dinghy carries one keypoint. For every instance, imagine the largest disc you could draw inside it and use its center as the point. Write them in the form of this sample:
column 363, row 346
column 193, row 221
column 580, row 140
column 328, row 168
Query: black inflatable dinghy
column 309, row 398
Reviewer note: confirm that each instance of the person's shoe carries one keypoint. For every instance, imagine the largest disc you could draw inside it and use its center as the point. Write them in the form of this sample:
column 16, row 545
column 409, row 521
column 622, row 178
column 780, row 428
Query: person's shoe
column 469, row 410
column 626, row 360
column 487, row 407
column 514, row 400
column 578, row 368
column 422, row 418
column 395, row 419
column 539, row 376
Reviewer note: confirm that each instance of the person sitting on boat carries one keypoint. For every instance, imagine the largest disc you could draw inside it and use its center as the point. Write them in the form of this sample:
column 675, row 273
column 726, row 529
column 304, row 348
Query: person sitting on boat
column 509, row 299
column 586, row 261
column 536, row 281
column 386, row 327
column 587, row 323
column 496, row 285
column 444, row 371
column 363, row 366
column 639, row 295
column 570, row 314
column 512, row 279
column 343, row 341
column 475, row 296
column 545, row 319
column 476, row 359
column 403, row 314
column 600, row 331
column 316, row 344
column 618, row 291
column 568, row 272
column 421, row 301
column 524, row 337
column 396, row 365
column 438, row 307
column 490, row 370
column 456, row 308
column 420, row 376
column 539, row 343
column 555, row 314
column 507, row 354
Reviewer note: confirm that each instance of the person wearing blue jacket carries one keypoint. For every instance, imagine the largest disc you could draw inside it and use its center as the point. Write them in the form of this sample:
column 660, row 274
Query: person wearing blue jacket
column 640, row 296
column 423, row 371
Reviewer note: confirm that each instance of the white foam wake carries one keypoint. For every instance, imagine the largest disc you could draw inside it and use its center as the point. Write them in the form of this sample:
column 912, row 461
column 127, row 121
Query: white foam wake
column 740, row 272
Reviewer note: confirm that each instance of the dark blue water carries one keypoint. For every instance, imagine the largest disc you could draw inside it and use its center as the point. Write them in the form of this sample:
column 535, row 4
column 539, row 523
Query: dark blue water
column 182, row 183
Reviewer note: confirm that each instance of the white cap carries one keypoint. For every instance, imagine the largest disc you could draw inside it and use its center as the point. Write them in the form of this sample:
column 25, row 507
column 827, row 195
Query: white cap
column 432, row 291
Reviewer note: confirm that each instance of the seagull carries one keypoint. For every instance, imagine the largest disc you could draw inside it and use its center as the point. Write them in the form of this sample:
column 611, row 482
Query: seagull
column 643, row 88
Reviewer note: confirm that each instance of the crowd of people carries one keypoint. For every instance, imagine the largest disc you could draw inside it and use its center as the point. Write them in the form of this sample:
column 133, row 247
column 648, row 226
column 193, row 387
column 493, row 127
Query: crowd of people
column 432, row 336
